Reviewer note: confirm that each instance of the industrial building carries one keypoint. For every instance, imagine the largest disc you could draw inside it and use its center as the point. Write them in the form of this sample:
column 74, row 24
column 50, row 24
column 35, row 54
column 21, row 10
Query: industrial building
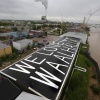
column 15, row 35
column 5, row 49
column 82, row 36
column 22, row 44
column 36, row 33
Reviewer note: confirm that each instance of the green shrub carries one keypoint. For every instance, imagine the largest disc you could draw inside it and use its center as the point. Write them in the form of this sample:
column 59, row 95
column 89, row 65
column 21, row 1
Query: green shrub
column 14, row 50
column 13, row 56
column 28, row 47
column 1, row 62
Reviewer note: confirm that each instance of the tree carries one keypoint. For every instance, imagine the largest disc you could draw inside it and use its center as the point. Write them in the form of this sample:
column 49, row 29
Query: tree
column 34, row 27
column 14, row 50
column 63, row 27
column 28, row 47
column 22, row 28
column 14, row 29
column 87, row 28
column 59, row 26
column 38, row 27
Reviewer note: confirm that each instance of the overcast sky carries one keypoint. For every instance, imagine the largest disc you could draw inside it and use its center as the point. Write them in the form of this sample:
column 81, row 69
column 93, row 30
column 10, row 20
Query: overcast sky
column 71, row 10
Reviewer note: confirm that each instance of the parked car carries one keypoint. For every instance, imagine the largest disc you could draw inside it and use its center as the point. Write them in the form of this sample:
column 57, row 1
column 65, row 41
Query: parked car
column 45, row 43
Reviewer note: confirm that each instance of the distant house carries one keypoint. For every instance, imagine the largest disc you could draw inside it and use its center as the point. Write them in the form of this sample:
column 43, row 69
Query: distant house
column 5, row 49
column 36, row 33
column 17, row 35
column 5, row 35
column 76, row 29
column 22, row 44
column 25, row 33
column 82, row 36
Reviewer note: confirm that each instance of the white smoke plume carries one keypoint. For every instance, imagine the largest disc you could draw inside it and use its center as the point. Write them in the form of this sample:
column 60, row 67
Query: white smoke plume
column 44, row 2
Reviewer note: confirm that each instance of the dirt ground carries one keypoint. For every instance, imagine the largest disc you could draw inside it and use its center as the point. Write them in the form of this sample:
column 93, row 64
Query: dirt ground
column 91, row 95
column 49, row 38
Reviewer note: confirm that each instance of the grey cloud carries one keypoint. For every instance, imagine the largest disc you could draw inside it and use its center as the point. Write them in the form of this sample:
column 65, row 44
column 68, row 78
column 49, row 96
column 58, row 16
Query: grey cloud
column 29, row 9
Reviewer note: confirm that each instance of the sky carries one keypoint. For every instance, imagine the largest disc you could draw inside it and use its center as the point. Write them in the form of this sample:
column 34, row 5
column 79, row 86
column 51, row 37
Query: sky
column 58, row 10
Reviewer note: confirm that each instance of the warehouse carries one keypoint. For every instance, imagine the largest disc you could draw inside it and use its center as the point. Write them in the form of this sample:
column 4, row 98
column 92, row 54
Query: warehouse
column 5, row 49
column 22, row 44
column 46, row 71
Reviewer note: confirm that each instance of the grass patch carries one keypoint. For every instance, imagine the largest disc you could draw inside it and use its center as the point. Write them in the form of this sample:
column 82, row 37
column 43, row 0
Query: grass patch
column 78, row 87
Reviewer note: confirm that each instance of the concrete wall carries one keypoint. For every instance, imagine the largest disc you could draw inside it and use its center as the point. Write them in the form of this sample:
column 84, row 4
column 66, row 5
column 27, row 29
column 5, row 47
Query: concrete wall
column 26, row 43
column 22, row 45
column 17, row 45
column 2, row 53
column 5, row 51
column 8, row 50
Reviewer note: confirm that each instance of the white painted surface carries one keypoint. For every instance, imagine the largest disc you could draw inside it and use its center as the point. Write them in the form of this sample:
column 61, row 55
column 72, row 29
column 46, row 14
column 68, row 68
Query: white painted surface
column 28, row 96
column 79, row 35
column 22, row 44
column 17, row 45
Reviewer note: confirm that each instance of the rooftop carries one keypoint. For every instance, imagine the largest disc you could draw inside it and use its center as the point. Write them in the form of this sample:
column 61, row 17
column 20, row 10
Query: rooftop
column 74, row 33
column 80, row 35
column 5, row 34
column 3, row 45
column 22, row 41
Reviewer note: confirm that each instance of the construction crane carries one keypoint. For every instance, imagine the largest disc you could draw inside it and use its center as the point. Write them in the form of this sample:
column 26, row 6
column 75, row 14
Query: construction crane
column 90, row 14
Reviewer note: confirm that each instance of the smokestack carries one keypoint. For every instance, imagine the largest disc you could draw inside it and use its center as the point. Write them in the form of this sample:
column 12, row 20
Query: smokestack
column 44, row 3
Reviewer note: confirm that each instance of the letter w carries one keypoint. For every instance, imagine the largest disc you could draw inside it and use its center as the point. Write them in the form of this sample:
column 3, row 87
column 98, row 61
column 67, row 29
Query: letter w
column 45, row 77
column 21, row 69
